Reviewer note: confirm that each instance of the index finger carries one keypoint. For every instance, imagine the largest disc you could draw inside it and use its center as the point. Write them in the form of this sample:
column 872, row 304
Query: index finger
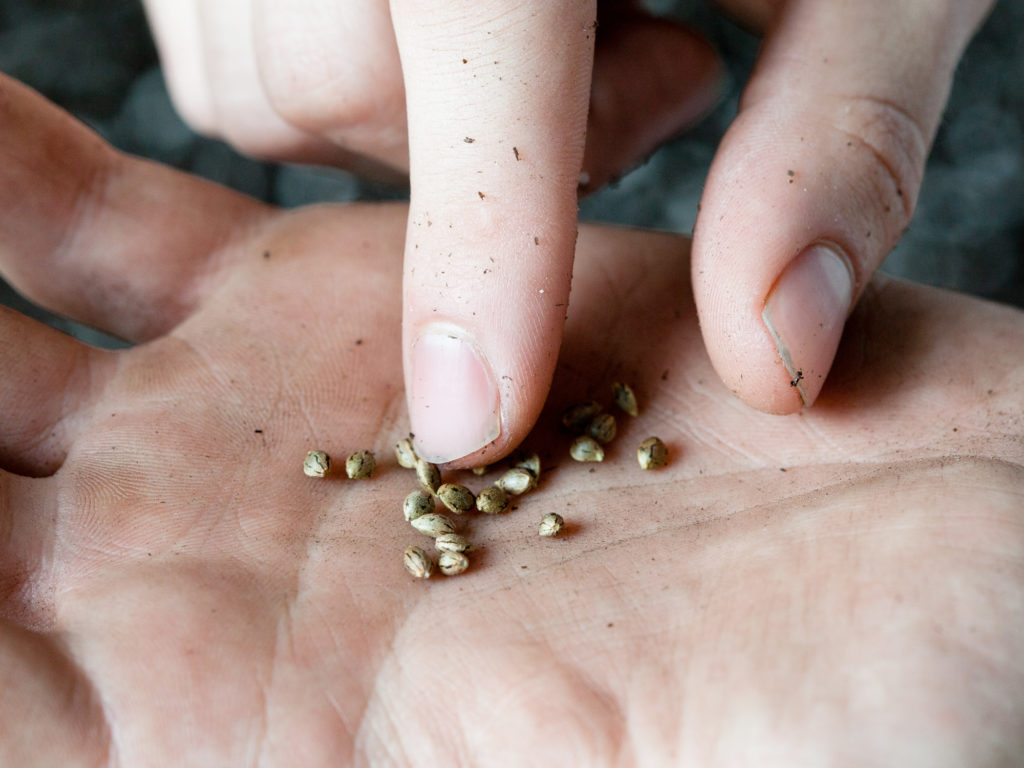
column 497, row 96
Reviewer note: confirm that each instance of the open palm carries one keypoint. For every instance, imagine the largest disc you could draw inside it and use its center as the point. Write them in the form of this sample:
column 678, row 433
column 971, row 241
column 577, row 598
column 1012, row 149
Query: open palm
column 842, row 586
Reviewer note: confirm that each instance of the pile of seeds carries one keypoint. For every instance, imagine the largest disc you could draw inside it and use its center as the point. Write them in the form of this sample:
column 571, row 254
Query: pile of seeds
column 420, row 508
column 593, row 428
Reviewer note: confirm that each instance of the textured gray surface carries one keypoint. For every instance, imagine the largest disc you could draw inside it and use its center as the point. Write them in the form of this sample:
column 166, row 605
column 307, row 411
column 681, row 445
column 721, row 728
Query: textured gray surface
column 94, row 57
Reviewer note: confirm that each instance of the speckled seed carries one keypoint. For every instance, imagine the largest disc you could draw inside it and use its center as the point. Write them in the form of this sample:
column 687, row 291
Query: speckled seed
column 576, row 417
column 551, row 524
column 458, row 498
column 602, row 428
column 433, row 524
column 586, row 448
column 417, row 504
column 428, row 474
column 360, row 465
column 405, row 454
column 530, row 461
column 652, row 454
column 625, row 398
column 452, row 563
column 418, row 563
column 492, row 500
column 516, row 481
column 451, row 542
column 479, row 471
column 316, row 464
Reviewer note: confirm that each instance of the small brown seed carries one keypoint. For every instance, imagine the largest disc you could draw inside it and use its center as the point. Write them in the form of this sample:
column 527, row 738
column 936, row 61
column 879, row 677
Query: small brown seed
column 586, row 448
column 516, row 481
column 405, row 453
column 625, row 398
column 418, row 563
column 360, row 465
column 428, row 474
column 417, row 504
column 433, row 524
column 458, row 498
column 576, row 417
column 452, row 563
column 479, row 471
column 530, row 461
column 492, row 500
column 602, row 428
column 451, row 542
column 316, row 464
column 652, row 454
column 551, row 524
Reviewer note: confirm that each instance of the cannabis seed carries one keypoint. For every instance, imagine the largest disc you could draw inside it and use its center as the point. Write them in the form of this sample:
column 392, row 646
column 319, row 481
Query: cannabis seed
column 451, row 542
column 428, row 474
column 417, row 504
column 576, row 417
column 602, row 428
column 530, row 462
column 360, row 465
column 652, row 454
column 405, row 453
column 433, row 524
column 458, row 498
column 316, row 464
column 492, row 500
column 516, row 481
column 625, row 398
column 551, row 524
column 586, row 448
column 418, row 563
column 452, row 563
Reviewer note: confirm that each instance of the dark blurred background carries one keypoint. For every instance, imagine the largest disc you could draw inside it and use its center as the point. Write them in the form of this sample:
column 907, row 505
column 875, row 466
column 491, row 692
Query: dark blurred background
column 96, row 59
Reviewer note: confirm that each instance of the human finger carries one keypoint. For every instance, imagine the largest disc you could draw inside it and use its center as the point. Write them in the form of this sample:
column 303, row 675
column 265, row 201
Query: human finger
column 331, row 70
column 209, row 61
column 117, row 243
column 652, row 79
column 47, row 382
column 497, row 98
column 814, row 183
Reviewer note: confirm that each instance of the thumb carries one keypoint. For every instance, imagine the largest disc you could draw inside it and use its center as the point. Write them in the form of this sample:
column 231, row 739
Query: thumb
column 497, row 97
column 815, row 181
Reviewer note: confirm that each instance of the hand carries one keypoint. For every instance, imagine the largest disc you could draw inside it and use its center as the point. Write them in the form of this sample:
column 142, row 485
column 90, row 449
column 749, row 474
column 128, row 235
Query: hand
column 497, row 96
column 812, row 187
column 789, row 590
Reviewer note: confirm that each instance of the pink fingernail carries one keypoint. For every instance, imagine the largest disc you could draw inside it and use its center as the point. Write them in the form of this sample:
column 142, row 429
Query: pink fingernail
column 454, row 404
column 805, row 314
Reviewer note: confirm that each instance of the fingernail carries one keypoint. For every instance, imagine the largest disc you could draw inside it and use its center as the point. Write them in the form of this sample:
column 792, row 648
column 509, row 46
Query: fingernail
column 805, row 314
column 454, row 404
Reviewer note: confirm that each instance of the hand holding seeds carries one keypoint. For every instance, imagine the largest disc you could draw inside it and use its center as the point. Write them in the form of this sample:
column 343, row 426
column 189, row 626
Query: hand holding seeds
column 177, row 592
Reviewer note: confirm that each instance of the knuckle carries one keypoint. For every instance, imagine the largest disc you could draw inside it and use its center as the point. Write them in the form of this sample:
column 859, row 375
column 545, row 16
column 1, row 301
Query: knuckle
column 328, row 102
column 895, row 147
column 193, row 103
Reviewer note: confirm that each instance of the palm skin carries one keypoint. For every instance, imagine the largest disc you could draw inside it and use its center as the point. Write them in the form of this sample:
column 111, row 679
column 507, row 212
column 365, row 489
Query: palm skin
column 837, row 587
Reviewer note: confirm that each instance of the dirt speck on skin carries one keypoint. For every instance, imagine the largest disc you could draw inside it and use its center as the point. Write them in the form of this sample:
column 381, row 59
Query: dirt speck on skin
column 469, row 140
